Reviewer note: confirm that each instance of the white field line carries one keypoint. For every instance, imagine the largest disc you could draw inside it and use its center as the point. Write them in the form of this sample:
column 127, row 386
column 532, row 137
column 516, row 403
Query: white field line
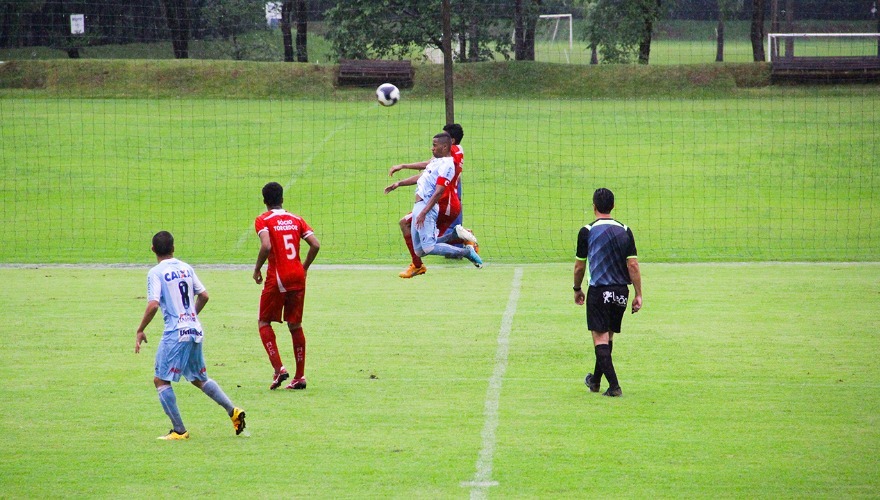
column 305, row 165
column 483, row 478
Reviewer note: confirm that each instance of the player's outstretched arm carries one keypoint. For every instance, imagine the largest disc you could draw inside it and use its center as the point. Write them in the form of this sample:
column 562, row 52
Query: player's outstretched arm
column 411, row 166
column 409, row 181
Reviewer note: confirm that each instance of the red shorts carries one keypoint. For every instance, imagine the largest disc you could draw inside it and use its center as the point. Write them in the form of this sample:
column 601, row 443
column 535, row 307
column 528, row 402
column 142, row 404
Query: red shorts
column 448, row 214
column 273, row 302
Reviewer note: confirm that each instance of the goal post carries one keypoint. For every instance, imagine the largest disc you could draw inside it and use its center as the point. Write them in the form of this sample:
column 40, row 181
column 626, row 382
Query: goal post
column 553, row 32
column 824, row 57
column 822, row 45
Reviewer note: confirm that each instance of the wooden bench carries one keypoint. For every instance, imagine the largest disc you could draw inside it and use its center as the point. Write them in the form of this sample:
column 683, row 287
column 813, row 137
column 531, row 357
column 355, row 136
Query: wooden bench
column 370, row 72
column 825, row 69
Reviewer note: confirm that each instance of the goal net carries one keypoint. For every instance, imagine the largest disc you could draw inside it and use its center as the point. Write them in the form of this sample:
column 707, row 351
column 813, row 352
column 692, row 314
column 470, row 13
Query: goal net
column 822, row 45
column 554, row 38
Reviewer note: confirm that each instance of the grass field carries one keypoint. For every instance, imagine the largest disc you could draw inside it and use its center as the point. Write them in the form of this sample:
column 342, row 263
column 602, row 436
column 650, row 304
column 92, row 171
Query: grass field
column 753, row 177
column 749, row 381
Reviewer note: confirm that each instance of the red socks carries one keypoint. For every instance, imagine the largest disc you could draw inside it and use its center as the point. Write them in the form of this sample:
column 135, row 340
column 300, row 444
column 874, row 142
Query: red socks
column 267, row 335
column 299, row 350
column 416, row 260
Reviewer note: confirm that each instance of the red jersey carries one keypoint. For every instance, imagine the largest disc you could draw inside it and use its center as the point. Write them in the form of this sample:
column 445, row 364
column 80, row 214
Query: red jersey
column 452, row 188
column 285, row 231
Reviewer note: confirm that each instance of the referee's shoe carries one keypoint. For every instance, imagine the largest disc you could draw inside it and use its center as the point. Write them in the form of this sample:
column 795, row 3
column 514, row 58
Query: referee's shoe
column 594, row 386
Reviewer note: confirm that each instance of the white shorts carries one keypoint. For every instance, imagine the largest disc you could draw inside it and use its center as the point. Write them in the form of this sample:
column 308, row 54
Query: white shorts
column 424, row 238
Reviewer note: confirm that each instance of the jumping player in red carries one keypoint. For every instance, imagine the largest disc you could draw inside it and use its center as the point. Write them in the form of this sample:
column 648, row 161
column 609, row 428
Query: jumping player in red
column 285, row 287
column 449, row 207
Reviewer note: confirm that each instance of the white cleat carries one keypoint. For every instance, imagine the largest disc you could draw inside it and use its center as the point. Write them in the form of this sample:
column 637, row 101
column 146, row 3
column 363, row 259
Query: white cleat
column 465, row 234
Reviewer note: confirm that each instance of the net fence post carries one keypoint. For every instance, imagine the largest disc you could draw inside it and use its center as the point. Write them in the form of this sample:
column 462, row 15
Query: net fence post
column 447, row 63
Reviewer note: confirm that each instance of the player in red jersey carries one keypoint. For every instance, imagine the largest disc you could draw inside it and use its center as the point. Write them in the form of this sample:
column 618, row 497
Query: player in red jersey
column 285, row 288
column 449, row 207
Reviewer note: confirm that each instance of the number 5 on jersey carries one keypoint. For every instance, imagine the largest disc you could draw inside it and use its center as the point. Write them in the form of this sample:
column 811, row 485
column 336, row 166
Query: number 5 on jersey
column 288, row 244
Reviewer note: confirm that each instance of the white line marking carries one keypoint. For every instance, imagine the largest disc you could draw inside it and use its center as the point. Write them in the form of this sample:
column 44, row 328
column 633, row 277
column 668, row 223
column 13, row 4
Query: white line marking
column 305, row 165
column 483, row 478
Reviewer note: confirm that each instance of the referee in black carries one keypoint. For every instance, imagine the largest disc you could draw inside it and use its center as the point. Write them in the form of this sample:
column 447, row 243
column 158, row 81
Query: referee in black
column 610, row 249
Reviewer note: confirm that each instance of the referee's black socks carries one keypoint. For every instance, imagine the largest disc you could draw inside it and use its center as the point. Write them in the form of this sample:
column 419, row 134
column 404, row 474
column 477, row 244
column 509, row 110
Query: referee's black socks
column 603, row 362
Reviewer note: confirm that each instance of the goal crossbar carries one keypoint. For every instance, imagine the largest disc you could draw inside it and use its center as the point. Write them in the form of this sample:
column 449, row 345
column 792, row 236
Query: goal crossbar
column 558, row 17
column 774, row 36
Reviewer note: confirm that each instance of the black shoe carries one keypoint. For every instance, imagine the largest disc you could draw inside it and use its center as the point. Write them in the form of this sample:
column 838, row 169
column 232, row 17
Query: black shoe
column 613, row 393
column 594, row 387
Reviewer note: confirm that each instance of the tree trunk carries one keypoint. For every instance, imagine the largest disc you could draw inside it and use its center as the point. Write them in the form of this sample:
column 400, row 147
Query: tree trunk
column 789, row 27
column 302, row 29
column 474, row 45
column 774, row 28
column 6, row 26
column 647, row 34
column 531, row 23
column 757, row 30
column 645, row 44
column 177, row 14
column 719, row 48
column 286, row 37
column 525, row 21
column 518, row 31
column 594, row 53
column 462, row 46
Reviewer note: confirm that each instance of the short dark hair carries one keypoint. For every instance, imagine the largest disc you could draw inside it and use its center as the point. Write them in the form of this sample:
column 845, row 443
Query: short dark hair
column 444, row 137
column 455, row 130
column 273, row 194
column 163, row 243
column 603, row 199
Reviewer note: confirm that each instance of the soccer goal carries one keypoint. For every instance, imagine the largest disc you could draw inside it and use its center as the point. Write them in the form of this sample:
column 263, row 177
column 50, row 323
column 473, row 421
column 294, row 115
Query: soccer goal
column 554, row 37
column 792, row 45
column 828, row 57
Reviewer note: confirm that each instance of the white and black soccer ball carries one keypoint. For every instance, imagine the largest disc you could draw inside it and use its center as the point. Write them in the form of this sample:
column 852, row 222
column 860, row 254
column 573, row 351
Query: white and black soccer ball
column 387, row 94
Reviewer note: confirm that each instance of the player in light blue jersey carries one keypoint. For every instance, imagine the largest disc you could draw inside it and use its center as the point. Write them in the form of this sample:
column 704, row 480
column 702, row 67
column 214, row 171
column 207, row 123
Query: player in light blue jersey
column 173, row 286
column 434, row 180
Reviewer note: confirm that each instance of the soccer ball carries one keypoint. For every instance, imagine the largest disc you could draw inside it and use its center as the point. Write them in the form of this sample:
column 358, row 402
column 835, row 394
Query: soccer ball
column 387, row 94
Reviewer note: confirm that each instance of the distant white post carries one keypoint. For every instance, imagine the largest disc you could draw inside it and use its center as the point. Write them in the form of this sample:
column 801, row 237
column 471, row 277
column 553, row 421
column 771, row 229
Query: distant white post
column 570, row 27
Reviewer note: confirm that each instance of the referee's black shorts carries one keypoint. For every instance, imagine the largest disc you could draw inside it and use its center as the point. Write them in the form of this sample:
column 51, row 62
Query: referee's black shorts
column 605, row 307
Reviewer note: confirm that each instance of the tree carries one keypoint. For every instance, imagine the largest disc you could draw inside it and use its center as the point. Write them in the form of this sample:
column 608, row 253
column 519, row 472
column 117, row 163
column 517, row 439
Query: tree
column 757, row 30
column 297, row 10
column 363, row 29
column 302, row 26
column 525, row 19
column 650, row 13
column 177, row 12
column 230, row 19
column 286, row 37
column 621, row 30
column 726, row 10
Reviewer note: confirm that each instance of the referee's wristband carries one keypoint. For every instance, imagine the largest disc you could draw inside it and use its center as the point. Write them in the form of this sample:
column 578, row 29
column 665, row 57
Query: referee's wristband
column 576, row 288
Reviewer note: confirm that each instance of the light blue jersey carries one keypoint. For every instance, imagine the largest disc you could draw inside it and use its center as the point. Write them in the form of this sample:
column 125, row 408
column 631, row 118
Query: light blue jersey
column 174, row 284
